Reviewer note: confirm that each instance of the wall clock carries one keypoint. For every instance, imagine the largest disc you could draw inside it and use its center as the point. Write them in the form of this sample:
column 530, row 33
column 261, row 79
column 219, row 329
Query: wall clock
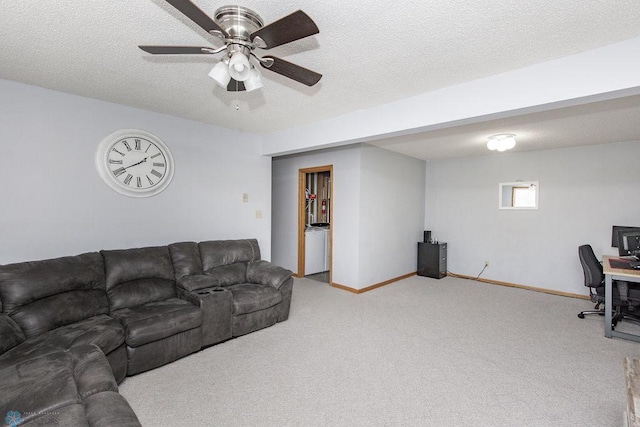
column 134, row 163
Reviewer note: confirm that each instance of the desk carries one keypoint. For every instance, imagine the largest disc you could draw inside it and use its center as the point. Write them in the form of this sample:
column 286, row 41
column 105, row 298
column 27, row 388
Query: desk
column 611, row 274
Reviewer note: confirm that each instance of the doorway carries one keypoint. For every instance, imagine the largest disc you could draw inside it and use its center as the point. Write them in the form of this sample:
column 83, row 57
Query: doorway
column 315, row 215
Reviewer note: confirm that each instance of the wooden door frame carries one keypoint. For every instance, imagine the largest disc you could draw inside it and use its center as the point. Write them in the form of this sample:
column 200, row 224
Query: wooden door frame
column 302, row 200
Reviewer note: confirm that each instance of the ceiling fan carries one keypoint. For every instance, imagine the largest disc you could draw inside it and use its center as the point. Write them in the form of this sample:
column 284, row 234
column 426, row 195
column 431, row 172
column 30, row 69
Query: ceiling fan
column 242, row 31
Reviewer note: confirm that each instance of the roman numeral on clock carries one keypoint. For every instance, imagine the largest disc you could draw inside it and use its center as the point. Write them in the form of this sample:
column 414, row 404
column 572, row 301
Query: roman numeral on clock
column 156, row 173
column 138, row 142
column 115, row 162
column 127, row 180
column 119, row 171
column 126, row 144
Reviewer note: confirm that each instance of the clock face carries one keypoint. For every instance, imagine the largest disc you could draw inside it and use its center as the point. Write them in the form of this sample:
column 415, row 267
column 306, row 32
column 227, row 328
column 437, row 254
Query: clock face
column 134, row 163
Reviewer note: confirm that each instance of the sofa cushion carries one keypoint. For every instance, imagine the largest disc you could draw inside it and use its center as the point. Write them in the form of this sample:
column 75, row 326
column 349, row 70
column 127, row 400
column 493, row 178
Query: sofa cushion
column 186, row 259
column 250, row 297
column 226, row 275
column 67, row 308
column 44, row 295
column 38, row 386
column 10, row 332
column 42, row 386
column 138, row 276
column 216, row 253
column 161, row 352
column 71, row 415
column 91, row 371
column 108, row 409
column 102, row 331
column 104, row 409
column 157, row 320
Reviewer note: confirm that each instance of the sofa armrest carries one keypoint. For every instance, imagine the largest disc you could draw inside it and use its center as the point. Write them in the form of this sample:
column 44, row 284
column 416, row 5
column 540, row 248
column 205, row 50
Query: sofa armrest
column 10, row 332
column 264, row 273
column 196, row 282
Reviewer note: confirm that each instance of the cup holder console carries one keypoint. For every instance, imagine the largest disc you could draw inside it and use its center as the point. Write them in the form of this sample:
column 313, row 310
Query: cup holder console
column 216, row 304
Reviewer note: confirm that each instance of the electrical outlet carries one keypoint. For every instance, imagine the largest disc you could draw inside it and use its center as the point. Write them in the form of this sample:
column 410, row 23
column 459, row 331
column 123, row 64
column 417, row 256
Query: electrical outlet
column 245, row 197
column 258, row 214
column 486, row 263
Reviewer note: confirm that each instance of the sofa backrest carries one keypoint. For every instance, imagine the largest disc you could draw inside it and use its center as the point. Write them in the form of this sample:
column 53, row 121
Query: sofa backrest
column 43, row 295
column 226, row 260
column 138, row 276
column 10, row 332
column 186, row 259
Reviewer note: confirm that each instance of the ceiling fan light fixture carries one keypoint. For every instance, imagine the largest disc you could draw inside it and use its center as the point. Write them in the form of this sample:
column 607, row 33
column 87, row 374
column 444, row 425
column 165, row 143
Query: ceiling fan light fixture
column 220, row 74
column 239, row 66
column 501, row 142
column 254, row 81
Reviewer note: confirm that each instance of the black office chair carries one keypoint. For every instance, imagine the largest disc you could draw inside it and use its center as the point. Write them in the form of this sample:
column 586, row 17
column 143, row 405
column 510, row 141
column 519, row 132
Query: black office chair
column 625, row 298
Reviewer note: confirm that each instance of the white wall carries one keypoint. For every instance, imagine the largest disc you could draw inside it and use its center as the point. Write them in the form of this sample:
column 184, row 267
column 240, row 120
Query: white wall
column 53, row 203
column 583, row 192
column 378, row 208
column 345, row 201
column 391, row 214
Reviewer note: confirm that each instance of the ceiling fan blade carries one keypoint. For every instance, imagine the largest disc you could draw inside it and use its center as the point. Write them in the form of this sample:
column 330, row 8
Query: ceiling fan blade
column 293, row 71
column 176, row 50
column 194, row 13
column 292, row 27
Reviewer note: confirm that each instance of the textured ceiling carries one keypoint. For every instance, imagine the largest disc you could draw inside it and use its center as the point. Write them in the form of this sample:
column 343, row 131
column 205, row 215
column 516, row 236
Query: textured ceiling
column 369, row 52
column 596, row 123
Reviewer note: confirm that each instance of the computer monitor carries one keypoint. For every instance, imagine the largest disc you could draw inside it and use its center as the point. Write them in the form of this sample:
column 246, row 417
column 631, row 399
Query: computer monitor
column 629, row 242
column 615, row 233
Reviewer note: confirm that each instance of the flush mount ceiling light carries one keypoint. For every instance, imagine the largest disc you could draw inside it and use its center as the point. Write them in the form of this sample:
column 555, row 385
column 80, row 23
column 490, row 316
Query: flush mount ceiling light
column 242, row 31
column 502, row 142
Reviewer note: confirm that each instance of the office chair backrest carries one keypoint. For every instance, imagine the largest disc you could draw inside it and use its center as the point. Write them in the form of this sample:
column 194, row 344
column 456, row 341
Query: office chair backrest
column 593, row 276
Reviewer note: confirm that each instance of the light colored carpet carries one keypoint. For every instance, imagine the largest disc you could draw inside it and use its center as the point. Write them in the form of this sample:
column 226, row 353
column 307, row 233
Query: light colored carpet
column 449, row 352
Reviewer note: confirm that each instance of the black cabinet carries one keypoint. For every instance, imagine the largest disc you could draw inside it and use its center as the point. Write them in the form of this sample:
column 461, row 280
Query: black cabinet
column 432, row 259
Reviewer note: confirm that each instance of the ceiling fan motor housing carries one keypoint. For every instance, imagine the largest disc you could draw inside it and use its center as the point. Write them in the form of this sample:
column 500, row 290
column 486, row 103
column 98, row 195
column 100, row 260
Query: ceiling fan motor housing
column 238, row 21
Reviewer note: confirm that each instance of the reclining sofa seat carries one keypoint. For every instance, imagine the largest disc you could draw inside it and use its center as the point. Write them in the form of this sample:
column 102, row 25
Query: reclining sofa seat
column 229, row 281
column 158, row 327
column 72, row 388
column 55, row 305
